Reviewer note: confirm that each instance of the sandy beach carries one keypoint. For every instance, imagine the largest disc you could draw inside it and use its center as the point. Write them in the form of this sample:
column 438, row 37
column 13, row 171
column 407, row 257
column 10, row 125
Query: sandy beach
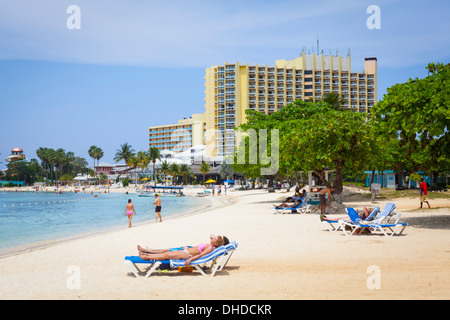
column 279, row 257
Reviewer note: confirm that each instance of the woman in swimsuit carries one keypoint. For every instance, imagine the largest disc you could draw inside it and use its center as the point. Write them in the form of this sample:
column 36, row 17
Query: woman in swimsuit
column 129, row 211
column 183, row 253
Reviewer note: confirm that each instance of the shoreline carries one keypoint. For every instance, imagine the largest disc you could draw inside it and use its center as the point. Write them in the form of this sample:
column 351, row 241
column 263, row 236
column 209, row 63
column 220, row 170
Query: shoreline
column 287, row 257
column 48, row 243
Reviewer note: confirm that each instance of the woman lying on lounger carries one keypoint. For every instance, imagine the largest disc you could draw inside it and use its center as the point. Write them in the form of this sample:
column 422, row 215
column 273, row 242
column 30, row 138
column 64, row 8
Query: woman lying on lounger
column 285, row 205
column 362, row 215
column 183, row 253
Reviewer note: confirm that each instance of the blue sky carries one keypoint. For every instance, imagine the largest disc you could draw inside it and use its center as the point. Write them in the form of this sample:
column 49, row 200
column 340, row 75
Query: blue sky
column 136, row 63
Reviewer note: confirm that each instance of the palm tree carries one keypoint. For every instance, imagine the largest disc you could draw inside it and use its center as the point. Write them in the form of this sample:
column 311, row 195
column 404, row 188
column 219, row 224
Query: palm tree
column 42, row 154
column 133, row 162
column 144, row 160
column 334, row 100
column 51, row 157
column 98, row 154
column 185, row 172
column 153, row 154
column 164, row 168
column 174, row 169
column 204, row 169
column 60, row 158
column 93, row 153
column 124, row 153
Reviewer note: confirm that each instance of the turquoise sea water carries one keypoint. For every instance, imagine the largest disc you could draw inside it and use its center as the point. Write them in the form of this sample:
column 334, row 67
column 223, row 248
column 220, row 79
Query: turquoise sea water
column 28, row 218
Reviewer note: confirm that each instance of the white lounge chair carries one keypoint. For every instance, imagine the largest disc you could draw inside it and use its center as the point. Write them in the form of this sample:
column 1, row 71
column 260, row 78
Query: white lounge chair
column 356, row 223
column 386, row 215
column 215, row 261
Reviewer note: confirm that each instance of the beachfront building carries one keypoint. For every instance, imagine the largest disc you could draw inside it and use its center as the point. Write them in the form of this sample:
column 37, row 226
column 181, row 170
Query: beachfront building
column 16, row 155
column 179, row 137
column 111, row 169
column 232, row 88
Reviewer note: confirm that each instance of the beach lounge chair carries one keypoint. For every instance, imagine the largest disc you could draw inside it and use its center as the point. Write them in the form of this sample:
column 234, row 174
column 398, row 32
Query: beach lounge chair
column 387, row 215
column 356, row 223
column 334, row 225
column 303, row 207
column 215, row 261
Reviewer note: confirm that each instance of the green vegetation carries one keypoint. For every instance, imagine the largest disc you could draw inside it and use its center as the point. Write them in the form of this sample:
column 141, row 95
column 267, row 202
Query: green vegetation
column 407, row 132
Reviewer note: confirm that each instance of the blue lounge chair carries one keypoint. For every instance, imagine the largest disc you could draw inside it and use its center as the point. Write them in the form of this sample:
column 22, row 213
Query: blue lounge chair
column 356, row 223
column 333, row 225
column 216, row 261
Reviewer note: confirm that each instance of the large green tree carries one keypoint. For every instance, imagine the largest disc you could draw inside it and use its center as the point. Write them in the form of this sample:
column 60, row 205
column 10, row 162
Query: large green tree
column 313, row 136
column 415, row 115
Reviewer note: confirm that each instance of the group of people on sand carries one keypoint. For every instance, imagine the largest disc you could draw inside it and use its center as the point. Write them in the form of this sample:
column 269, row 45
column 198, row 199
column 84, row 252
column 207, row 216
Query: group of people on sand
column 130, row 211
column 191, row 253
column 298, row 198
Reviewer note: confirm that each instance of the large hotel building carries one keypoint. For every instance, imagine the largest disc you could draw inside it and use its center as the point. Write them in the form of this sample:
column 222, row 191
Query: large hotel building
column 178, row 137
column 232, row 88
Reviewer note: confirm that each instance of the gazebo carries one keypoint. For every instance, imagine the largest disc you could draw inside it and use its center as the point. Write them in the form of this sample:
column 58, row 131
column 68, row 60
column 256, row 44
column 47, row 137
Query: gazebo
column 16, row 155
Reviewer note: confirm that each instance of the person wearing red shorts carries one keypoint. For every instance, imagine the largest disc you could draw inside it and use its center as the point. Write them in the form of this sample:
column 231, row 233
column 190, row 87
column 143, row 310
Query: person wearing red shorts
column 423, row 192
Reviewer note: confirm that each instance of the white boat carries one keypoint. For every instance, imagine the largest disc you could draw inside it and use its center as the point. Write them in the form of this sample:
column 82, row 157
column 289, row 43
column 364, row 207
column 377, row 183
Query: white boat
column 162, row 191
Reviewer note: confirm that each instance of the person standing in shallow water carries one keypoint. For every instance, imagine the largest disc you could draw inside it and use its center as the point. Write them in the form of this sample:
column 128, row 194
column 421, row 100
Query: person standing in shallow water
column 157, row 203
column 129, row 211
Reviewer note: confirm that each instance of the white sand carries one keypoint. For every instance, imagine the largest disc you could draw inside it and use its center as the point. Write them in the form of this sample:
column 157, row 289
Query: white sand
column 289, row 256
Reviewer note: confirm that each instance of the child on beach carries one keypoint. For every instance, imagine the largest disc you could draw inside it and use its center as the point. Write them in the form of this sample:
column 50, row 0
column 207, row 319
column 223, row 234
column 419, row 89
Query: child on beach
column 129, row 210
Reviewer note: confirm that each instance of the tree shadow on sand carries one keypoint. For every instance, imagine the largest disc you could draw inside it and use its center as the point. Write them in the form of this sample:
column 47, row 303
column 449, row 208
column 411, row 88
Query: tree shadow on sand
column 429, row 222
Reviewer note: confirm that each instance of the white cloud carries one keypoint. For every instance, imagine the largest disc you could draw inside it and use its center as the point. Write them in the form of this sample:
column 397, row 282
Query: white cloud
column 202, row 33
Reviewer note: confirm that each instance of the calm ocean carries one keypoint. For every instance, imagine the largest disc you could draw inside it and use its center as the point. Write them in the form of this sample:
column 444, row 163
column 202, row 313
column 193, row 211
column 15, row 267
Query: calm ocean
column 28, row 218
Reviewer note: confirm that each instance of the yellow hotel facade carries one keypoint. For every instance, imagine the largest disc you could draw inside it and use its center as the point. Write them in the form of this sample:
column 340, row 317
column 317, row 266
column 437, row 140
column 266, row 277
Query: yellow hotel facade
column 178, row 137
column 230, row 89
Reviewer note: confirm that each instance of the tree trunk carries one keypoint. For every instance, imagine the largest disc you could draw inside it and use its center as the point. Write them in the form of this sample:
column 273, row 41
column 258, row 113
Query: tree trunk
column 371, row 179
column 321, row 175
column 339, row 187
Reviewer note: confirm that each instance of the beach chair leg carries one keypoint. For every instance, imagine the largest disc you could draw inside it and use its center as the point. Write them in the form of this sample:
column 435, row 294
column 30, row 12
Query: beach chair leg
column 336, row 228
column 330, row 226
column 216, row 267
column 354, row 230
column 397, row 228
column 227, row 257
column 342, row 227
column 384, row 232
column 305, row 209
column 199, row 269
column 153, row 268
column 401, row 231
column 134, row 269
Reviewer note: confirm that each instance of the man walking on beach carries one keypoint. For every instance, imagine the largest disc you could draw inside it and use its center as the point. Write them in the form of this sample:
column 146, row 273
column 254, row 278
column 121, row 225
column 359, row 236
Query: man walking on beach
column 323, row 201
column 157, row 203
column 423, row 192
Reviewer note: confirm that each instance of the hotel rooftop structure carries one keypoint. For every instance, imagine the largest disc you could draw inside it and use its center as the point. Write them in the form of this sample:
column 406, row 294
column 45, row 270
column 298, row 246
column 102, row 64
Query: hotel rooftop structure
column 179, row 137
column 232, row 88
